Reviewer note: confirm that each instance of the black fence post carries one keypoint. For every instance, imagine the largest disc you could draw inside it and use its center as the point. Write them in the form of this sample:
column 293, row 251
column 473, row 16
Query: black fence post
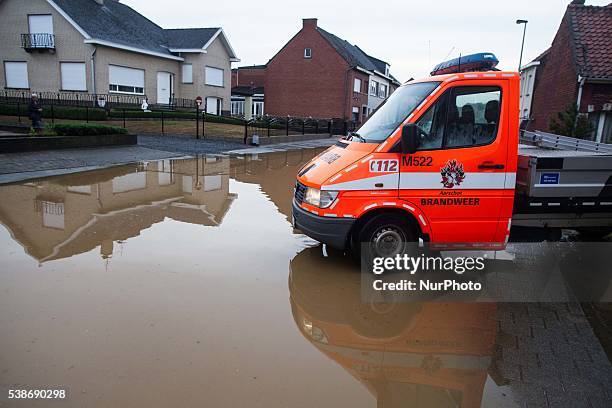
column 87, row 114
column 246, row 130
column 303, row 126
column 204, row 122
column 124, row 117
column 317, row 127
column 287, row 126
column 162, row 120
column 52, row 113
column 197, row 122
column 269, row 123
column 19, row 112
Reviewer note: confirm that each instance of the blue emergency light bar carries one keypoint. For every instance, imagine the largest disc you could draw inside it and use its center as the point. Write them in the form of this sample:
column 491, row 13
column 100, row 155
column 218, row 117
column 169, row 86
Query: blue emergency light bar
column 484, row 61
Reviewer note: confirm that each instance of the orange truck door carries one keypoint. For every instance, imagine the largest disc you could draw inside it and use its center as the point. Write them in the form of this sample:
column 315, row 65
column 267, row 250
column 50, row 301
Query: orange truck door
column 458, row 175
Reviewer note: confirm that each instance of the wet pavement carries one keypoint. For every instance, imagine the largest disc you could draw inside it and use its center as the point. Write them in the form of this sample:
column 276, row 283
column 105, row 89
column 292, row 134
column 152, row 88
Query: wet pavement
column 181, row 282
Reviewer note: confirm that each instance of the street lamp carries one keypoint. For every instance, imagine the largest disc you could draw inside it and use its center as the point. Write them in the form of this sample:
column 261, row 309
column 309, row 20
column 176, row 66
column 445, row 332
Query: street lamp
column 524, row 22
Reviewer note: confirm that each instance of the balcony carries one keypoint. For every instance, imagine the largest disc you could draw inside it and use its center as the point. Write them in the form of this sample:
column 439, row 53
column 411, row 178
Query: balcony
column 38, row 41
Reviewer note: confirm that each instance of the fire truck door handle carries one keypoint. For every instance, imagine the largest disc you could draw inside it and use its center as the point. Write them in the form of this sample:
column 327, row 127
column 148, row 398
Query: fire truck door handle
column 490, row 166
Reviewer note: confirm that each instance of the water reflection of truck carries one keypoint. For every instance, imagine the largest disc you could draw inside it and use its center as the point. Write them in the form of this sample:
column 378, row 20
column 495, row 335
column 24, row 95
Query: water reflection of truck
column 406, row 354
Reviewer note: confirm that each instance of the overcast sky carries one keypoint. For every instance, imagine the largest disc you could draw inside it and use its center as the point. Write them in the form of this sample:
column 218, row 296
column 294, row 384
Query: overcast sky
column 410, row 35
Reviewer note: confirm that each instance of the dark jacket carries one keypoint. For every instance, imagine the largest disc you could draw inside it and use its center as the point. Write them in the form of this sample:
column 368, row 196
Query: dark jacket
column 34, row 110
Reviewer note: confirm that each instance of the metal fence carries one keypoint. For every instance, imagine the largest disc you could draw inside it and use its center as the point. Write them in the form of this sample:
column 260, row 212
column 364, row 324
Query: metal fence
column 84, row 99
column 268, row 126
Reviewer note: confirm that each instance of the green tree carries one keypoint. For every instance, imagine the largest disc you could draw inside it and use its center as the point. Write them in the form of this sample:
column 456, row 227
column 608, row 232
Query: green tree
column 571, row 123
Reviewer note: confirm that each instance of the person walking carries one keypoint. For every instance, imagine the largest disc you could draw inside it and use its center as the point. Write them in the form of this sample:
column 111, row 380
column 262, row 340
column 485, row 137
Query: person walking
column 35, row 112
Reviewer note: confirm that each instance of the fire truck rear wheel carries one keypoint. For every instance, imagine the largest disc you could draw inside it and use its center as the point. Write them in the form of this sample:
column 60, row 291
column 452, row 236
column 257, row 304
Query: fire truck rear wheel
column 386, row 235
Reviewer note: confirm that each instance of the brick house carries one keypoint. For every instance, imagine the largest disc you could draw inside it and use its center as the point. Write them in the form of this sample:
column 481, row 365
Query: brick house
column 576, row 69
column 248, row 90
column 104, row 47
column 320, row 75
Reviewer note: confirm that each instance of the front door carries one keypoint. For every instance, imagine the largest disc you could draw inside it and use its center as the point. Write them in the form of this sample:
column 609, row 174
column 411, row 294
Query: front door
column 458, row 176
column 164, row 88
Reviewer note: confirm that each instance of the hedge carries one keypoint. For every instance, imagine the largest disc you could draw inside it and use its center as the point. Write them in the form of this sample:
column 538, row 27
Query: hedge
column 85, row 130
column 59, row 112
column 169, row 115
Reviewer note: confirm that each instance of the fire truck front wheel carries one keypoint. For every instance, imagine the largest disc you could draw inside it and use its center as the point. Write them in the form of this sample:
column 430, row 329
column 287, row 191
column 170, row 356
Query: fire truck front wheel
column 386, row 235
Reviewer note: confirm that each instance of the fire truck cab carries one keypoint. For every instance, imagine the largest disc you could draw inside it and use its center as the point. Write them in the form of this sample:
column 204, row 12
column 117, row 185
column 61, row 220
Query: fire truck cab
column 437, row 161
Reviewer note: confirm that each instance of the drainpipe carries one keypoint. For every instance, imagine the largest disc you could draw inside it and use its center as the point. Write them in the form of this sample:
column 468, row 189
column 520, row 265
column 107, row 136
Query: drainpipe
column 346, row 93
column 581, row 81
column 93, row 69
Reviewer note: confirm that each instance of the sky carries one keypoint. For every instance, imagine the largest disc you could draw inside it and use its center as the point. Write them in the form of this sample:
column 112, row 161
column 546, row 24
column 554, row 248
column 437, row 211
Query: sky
column 412, row 36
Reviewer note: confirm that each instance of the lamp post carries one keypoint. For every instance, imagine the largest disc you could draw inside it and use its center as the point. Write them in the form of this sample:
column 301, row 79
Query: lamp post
column 524, row 22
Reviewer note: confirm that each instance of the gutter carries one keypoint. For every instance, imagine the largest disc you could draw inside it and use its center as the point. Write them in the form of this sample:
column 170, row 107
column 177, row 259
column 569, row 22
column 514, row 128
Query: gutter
column 581, row 82
column 93, row 69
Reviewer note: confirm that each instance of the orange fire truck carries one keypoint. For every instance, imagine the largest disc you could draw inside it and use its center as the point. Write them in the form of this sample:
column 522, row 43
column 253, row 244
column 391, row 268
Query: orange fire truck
column 440, row 162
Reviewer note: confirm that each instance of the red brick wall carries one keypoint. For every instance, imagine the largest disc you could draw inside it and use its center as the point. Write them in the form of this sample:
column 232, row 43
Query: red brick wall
column 246, row 76
column 316, row 86
column 596, row 95
column 556, row 85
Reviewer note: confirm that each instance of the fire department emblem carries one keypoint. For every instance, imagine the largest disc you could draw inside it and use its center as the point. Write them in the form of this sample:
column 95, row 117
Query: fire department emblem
column 452, row 174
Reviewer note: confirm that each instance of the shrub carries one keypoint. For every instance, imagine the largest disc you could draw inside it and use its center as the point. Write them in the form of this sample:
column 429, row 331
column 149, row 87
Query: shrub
column 84, row 130
column 59, row 112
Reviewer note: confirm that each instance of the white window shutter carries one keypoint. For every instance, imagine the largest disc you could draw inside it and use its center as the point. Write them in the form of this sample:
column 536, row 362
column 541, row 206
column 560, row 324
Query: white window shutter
column 73, row 76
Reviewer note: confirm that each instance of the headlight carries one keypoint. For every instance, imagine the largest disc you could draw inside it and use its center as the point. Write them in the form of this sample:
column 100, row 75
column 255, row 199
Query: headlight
column 314, row 332
column 318, row 198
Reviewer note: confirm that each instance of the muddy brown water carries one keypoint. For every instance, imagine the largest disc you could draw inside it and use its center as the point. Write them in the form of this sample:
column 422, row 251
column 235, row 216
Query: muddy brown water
column 182, row 283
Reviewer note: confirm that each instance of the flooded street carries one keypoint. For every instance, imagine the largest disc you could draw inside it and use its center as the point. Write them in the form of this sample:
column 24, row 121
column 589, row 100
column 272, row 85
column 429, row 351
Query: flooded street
column 181, row 283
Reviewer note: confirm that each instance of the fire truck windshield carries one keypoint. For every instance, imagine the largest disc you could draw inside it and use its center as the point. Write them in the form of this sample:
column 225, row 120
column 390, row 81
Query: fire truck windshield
column 394, row 111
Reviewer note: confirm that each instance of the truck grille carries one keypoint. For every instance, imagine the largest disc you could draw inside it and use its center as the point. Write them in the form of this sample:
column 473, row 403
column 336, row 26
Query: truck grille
column 300, row 191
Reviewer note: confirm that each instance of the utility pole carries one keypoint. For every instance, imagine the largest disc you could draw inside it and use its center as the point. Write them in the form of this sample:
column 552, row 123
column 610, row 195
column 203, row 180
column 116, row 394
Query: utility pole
column 524, row 22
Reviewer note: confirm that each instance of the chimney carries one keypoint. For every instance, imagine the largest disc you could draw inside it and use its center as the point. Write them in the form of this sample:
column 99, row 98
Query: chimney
column 309, row 23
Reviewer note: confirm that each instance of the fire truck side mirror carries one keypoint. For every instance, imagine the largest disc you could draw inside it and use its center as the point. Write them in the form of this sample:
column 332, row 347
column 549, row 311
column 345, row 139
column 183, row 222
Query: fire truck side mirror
column 410, row 138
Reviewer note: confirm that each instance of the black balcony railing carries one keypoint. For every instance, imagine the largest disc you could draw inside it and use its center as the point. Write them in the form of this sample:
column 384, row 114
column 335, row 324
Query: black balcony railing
column 38, row 41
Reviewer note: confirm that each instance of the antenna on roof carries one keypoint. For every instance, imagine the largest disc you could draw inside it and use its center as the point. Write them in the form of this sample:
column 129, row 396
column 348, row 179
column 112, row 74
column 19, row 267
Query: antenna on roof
column 449, row 53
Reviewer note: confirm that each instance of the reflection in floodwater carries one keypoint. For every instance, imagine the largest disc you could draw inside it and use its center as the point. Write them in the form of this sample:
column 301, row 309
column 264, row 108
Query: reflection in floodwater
column 406, row 354
column 58, row 217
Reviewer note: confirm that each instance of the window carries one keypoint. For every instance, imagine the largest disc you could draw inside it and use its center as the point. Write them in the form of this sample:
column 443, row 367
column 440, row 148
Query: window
column 393, row 111
column 357, row 85
column 473, row 116
column 364, row 111
column 431, row 125
column 187, row 74
column 125, row 80
column 73, row 76
column 258, row 109
column 355, row 116
column 238, row 108
column 374, row 88
column 16, row 75
column 40, row 23
column 307, row 53
column 382, row 91
column 213, row 76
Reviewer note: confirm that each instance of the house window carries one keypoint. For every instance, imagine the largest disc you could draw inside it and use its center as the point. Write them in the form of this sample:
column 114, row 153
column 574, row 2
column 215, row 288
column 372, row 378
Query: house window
column 187, row 74
column 238, row 108
column 355, row 116
column 213, row 76
column 374, row 88
column 40, row 23
column 16, row 75
column 125, row 80
column 364, row 111
column 382, row 91
column 357, row 85
column 307, row 52
column 258, row 109
column 73, row 76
